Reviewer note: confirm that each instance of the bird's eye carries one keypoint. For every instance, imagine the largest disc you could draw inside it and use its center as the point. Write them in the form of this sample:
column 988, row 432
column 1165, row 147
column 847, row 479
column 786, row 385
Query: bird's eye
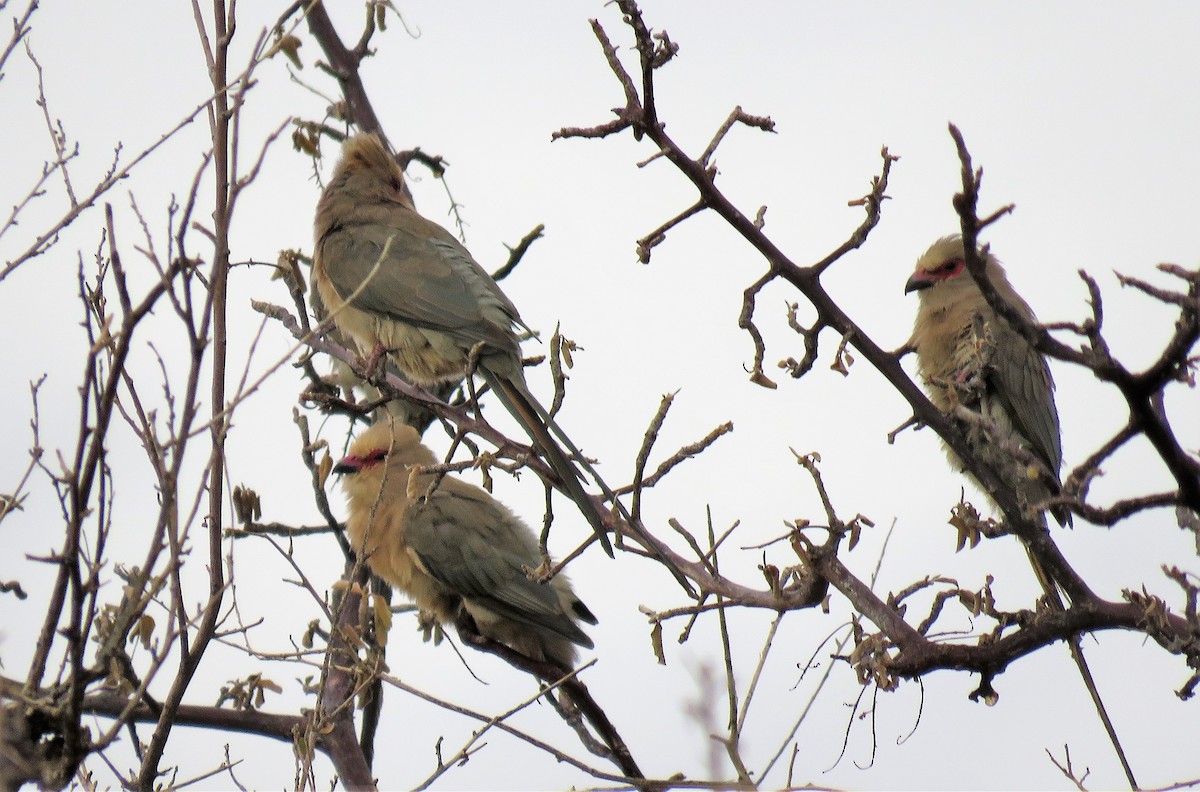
column 377, row 456
column 949, row 266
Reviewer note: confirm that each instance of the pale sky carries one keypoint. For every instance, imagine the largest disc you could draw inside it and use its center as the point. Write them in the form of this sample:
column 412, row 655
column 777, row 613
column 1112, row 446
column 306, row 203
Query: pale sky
column 1083, row 115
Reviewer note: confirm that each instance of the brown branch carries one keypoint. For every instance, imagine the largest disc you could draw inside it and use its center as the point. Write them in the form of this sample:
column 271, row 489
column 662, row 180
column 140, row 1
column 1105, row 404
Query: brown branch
column 684, row 453
column 1068, row 769
column 659, row 235
column 807, row 280
column 917, row 658
column 465, row 423
column 517, row 253
column 1140, row 390
column 115, row 174
column 627, row 115
column 490, row 721
column 264, row 724
column 811, row 336
column 746, row 322
column 219, row 125
column 279, row 529
column 20, row 31
column 759, row 122
column 643, row 455
column 333, row 725
column 343, row 65
column 642, row 116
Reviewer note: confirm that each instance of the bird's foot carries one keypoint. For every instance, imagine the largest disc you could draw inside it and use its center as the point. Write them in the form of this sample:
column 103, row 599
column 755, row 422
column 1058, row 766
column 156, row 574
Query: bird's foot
column 373, row 364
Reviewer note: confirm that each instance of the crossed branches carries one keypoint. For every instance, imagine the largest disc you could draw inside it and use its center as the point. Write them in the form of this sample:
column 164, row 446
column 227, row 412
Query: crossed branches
column 901, row 644
column 904, row 650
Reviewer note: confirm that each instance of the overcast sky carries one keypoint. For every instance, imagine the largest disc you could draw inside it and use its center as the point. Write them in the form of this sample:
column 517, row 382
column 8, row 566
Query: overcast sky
column 1082, row 114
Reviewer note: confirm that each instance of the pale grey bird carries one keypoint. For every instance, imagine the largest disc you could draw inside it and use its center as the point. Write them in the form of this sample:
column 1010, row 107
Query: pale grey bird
column 970, row 357
column 457, row 551
column 397, row 282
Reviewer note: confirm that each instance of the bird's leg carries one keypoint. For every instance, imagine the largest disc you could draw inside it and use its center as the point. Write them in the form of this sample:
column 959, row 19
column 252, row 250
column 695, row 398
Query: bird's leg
column 468, row 630
column 372, row 364
column 969, row 387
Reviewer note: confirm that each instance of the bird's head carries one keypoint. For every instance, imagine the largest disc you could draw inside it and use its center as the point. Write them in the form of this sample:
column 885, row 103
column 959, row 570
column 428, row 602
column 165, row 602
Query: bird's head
column 368, row 174
column 386, row 448
column 941, row 274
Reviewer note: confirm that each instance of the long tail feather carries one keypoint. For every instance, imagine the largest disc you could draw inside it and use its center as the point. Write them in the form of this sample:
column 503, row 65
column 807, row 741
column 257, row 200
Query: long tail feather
column 523, row 407
column 1054, row 598
column 538, row 423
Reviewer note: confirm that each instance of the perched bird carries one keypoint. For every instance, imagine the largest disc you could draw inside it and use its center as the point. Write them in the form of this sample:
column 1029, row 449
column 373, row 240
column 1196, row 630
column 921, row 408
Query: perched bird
column 456, row 551
column 970, row 357
column 394, row 281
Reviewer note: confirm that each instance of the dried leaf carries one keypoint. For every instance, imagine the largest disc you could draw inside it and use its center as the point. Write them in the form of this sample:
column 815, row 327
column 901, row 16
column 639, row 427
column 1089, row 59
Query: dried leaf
column 352, row 636
column 855, row 534
column 965, row 520
column 771, row 574
column 143, row 631
column 246, row 504
column 656, row 643
column 324, row 468
column 759, row 378
column 301, row 141
column 383, row 619
column 290, row 46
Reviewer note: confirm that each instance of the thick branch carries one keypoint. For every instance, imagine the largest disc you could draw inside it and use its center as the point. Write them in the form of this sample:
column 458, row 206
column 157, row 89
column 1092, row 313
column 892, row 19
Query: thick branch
column 343, row 63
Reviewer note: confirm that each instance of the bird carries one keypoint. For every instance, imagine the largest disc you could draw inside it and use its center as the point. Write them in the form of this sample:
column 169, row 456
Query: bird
column 456, row 551
column 973, row 358
column 970, row 357
column 396, row 282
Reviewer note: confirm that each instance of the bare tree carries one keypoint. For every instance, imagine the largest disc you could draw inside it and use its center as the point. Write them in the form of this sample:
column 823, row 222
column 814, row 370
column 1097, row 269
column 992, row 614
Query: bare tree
column 157, row 371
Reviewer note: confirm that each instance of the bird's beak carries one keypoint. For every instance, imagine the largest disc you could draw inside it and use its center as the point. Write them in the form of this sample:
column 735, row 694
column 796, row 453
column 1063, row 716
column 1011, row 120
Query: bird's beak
column 919, row 280
column 350, row 464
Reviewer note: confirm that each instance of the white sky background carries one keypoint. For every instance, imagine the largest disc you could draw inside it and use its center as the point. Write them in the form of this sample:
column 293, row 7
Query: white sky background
column 1083, row 115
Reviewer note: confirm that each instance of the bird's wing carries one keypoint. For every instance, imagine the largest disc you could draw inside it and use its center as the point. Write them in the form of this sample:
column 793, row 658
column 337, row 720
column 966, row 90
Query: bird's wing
column 426, row 279
column 1021, row 379
column 462, row 541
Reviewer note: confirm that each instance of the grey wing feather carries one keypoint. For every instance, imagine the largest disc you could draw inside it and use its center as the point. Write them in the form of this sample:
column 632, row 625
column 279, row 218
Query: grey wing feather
column 477, row 566
column 1022, row 381
column 426, row 279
